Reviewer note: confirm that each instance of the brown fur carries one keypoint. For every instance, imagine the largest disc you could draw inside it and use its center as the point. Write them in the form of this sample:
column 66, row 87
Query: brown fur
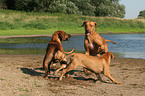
column 53, row 46
column 94, row 43
column 96, row 65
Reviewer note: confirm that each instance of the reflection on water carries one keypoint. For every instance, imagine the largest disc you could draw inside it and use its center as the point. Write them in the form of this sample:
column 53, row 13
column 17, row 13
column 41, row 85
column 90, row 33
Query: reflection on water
column 128, row 45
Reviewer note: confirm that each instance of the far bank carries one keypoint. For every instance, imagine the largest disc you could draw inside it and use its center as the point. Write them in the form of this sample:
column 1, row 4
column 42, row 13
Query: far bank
column 34, row 23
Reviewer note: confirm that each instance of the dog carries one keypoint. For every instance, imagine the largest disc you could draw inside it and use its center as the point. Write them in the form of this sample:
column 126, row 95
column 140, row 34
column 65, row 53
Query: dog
column 53, row 46
column 94, row 44
column 96, row 65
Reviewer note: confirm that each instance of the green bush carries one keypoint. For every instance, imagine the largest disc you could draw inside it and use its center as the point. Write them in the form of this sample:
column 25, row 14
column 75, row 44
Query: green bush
column 141, row 14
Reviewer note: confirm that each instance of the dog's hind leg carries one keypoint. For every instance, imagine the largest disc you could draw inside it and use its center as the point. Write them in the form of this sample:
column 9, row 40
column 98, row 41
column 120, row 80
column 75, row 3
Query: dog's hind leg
column 107, row 73
column 47, row 69
column 112, row 79
column 46, row 64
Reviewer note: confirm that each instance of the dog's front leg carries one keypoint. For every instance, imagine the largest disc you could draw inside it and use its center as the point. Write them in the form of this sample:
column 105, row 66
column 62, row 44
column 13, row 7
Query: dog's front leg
column 61, row 67
column 87, row 51
column 62, row 73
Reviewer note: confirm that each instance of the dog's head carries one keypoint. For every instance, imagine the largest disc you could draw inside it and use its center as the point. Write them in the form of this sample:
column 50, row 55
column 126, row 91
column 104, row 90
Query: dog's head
column 109, row 54
column 60, row 57
column 89, row 27
column 101, row 51
column 62, row 35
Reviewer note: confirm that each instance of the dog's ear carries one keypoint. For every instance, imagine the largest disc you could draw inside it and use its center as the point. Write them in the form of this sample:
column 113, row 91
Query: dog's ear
column 61, row 37
column 84, row 23
column 95, row 25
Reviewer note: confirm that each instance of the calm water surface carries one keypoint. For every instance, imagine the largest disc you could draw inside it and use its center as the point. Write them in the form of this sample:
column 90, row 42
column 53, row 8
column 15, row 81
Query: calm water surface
column 128, row 45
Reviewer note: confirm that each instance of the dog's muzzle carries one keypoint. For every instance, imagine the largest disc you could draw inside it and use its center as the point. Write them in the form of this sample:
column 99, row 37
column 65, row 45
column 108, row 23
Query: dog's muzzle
column 60, row 61
column 102, row 52
column 69, row 36
column 63, row 62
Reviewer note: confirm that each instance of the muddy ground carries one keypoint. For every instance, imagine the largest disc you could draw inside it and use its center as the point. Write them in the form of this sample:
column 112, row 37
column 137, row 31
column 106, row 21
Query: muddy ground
column 21, row 75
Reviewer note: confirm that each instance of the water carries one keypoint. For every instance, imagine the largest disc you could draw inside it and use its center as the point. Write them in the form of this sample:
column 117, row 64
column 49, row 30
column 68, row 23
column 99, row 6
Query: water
column 128, row 45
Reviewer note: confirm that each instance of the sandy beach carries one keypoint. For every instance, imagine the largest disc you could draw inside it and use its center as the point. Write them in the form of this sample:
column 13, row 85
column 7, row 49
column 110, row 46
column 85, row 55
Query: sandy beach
column 21, row 75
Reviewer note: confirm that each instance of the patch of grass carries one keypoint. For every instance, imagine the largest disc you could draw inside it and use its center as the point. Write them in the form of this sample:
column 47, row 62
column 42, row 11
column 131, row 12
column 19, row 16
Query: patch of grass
column 2, row 79
column 30, row 23
column 20, row 89
column 21, row 52
column 36, row 84
column 24, row 40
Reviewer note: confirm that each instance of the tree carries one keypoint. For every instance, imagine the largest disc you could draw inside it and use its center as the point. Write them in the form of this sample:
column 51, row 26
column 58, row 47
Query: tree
column 10, row 4
column 85, row 7
column 108, row 8
column 3, row 4
column 63, row 6
column 141, row 15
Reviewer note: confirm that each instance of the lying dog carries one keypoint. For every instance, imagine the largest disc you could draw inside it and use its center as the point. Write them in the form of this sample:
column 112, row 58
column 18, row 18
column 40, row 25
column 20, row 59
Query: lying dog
column 53, row 46
column 96, row 65
column 94, row 44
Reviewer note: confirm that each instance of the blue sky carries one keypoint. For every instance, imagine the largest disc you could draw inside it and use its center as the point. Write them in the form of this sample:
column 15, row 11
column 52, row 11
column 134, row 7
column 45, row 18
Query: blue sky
column 133, row 7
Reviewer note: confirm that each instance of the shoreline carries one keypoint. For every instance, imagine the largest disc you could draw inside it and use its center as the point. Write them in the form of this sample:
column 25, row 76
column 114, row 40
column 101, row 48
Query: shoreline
column 74, row 34
column 15, row 55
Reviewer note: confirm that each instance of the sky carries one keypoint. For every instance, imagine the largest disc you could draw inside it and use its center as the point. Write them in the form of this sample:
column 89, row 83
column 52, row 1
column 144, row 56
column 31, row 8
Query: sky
column 133, row 7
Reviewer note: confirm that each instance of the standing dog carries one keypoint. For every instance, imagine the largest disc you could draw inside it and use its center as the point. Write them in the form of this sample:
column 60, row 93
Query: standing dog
column 96, row 65
column 94, row 43
column 53, row 46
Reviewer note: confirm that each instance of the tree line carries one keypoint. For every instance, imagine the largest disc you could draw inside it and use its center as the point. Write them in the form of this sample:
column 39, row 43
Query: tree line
column 82, row 7
column 141, row 14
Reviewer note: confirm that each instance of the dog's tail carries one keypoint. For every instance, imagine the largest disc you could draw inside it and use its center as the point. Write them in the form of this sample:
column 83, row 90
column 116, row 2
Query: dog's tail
column 70, row 55
column 112, row 56
column 110, row 41
column 69, row 52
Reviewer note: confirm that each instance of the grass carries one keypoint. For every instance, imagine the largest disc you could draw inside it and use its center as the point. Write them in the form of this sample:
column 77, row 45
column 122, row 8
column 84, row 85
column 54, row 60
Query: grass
column 33, row 23
column 25, row 40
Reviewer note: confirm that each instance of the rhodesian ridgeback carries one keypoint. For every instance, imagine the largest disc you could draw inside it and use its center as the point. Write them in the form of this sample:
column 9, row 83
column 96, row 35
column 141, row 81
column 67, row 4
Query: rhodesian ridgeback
column 94, row 43
column 96, row 65
column 53, row 46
